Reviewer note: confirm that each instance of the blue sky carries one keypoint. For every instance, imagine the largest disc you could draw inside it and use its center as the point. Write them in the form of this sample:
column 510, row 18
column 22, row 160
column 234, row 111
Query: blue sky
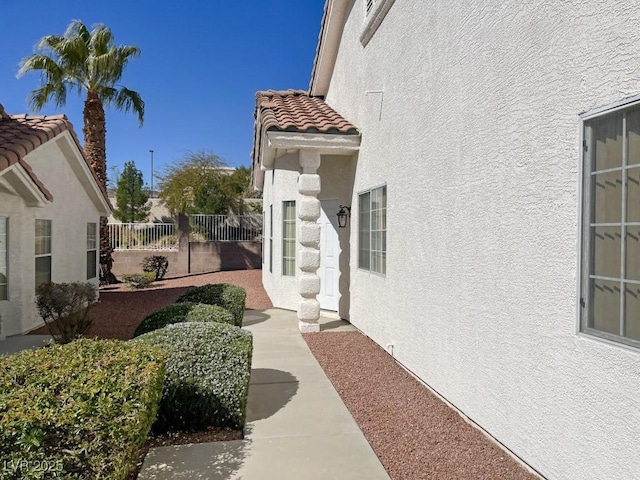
column 202, row 62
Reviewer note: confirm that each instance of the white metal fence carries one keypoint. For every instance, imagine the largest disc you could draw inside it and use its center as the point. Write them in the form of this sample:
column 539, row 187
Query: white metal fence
column 204, row 228
column 225, row 228
column 143, row 236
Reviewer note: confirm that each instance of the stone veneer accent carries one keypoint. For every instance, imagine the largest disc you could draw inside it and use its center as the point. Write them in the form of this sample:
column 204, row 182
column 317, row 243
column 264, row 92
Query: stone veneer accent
column 308, row 234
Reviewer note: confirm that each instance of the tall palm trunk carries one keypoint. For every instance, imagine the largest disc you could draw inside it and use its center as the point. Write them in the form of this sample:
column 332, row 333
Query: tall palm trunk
column 94, row 131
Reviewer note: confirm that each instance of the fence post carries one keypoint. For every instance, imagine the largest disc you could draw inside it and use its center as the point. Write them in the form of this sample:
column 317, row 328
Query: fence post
column 183, row 243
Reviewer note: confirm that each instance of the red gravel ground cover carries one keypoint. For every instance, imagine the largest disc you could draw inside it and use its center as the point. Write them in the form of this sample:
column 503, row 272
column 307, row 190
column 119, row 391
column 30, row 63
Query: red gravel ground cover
column 414, row 433
column 120, row 310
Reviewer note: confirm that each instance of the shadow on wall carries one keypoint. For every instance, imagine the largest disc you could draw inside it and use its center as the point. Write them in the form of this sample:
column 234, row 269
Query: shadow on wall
column 244, row 259
column 224, row 256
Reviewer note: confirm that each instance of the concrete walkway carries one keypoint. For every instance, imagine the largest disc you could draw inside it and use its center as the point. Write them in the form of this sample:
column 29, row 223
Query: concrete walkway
column 297, row 426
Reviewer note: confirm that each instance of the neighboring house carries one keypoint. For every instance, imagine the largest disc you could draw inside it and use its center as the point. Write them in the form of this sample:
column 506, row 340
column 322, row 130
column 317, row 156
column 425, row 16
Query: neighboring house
column 50, row 208
column 159, row 213
column 490, row 155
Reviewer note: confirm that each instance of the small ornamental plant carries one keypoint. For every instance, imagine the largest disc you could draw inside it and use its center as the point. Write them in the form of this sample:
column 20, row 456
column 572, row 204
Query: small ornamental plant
column 156, row 264
column 65, row 307
column 138, row 280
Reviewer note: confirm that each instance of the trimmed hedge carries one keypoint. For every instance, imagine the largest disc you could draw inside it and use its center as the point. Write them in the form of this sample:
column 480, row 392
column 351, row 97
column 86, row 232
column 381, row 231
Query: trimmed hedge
column 202, row 312
column 207, row 382
column 183, row 312
column 80, row 410
column 226, row 295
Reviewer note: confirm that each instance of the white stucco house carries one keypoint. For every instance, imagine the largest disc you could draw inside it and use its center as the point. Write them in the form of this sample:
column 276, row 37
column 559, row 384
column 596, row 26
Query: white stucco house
column 489, row 153
column 50, row 208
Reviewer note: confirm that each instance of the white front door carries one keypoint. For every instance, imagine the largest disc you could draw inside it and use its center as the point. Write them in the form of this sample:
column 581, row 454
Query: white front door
column 329, row 256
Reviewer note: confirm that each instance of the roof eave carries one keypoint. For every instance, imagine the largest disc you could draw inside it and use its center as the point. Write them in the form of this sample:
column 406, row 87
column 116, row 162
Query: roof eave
column 21, row 182
column 333, row 20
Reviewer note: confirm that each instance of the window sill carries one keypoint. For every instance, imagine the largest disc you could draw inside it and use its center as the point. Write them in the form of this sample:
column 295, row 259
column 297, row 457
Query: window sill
column 611, row 340
column 374, row 19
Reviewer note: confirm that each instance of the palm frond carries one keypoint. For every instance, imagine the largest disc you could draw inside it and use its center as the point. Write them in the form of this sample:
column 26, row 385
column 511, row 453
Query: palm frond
column 40, row 63
column 129, row 100
column 101, row 39
column 39, row 97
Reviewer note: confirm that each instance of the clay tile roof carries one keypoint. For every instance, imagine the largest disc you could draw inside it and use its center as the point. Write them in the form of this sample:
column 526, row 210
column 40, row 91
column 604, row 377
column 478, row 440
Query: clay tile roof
column 22, row 134
column 296, row 111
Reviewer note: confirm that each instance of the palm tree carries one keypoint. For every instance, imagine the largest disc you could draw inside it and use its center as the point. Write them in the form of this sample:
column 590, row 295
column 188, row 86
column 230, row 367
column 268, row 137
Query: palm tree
column 85, row 61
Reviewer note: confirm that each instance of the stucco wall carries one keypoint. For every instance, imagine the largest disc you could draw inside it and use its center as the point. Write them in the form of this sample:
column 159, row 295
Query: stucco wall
column 477, row 136
column 282, row 290
column 336, row 176
column 69, row 212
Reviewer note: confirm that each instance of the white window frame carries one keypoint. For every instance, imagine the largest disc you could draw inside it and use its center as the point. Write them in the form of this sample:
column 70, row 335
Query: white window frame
column 271, row 238
column 586, row 172
column 44, row 252
column 374, row 13
column 92, row 249
column 287, row 259
column 4, row 256
column 370, row 231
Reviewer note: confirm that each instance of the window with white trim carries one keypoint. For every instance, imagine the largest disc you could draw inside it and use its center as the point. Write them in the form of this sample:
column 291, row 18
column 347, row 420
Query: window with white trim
column 4, row 258
column 92, row 250
column 43, row 252
column 289, row 238
column 610, row 284
column 372, row 230
column 270, row 238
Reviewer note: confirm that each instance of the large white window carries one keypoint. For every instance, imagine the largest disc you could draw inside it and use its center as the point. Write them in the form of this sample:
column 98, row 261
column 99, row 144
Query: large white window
column 289, row 238
column 92, row 250
column 4, row 258
column 610, row 284
column 43, row 252
column 372, row 230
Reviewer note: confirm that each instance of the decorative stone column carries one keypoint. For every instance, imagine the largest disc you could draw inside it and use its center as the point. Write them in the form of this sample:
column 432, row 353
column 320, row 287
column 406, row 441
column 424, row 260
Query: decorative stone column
column 308, row 251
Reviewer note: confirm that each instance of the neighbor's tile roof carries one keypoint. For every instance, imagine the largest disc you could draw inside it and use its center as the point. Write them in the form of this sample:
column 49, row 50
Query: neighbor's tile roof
column 22, row 134
column 296, row 111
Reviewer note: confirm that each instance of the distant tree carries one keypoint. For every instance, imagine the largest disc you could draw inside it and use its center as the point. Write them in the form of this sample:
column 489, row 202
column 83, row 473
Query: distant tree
column 223, row 194
column 132, row 198
column 198, row 183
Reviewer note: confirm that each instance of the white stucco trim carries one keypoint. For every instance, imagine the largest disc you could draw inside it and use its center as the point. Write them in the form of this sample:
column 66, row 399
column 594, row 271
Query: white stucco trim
column 67, row 145
column 19, row 181
column 328, row 49
column 276, row 143
column 325, row 143
column 374, row 19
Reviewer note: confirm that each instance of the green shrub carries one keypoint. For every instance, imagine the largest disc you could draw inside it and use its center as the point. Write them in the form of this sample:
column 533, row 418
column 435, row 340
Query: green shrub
column 202, row 312
column 156, row 264
column 207, row 382
column 183, row 312
column 81, row 410
column 175, row 313
column 139, row 280
column 64, row 307
column 224, row 295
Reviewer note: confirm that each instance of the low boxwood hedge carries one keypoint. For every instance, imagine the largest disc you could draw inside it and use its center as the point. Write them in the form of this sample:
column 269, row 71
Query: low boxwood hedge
column 184, row 312
column 80, row 410
column 226, row 295
column 207, row 382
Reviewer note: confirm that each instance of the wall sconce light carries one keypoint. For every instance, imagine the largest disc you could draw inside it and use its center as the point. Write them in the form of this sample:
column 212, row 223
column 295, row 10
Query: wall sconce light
column 343, row 216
